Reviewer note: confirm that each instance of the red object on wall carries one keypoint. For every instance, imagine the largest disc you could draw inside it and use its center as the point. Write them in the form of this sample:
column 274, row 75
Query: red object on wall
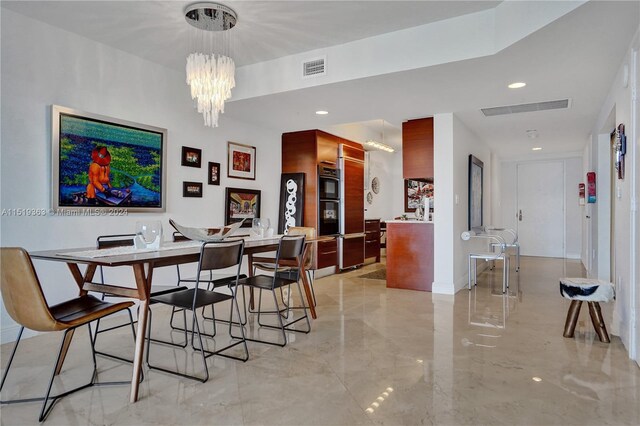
column 591, row 187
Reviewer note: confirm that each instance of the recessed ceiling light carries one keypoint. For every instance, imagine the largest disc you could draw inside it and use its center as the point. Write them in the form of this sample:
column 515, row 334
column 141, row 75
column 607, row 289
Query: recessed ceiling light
column 516, row 85
column 532, row 134
column 537, row 148
column 321, row 112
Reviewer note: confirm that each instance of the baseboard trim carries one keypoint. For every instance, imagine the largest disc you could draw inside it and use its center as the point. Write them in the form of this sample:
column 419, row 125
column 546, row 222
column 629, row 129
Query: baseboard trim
column 10, row 333
column 443, row 288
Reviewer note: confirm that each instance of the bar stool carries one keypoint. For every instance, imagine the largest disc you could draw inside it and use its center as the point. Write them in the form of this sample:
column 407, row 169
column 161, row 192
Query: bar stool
column 588, row 290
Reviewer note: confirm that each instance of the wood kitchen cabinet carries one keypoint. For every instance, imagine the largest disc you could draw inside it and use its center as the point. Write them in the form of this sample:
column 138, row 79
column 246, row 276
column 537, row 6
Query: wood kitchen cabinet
column 417, row 148
column 372, row 239
column 302, row 152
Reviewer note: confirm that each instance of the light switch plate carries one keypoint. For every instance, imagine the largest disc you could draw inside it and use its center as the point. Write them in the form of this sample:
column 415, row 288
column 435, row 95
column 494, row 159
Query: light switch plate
column 457, row 199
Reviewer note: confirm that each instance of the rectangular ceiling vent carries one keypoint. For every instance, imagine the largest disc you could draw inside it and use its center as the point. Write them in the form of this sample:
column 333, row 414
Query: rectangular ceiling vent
column 314, row 67
column 538, row 106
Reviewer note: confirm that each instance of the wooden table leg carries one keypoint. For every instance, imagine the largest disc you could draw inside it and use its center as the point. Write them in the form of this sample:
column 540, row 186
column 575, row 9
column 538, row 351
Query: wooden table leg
column 598, row 321
column 572, row 318
column 143, row 283
column 80, row 280
column 307, row 290
column 305, row 281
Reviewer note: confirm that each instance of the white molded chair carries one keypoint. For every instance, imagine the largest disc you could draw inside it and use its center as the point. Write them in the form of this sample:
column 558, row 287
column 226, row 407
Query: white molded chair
column 495, row 242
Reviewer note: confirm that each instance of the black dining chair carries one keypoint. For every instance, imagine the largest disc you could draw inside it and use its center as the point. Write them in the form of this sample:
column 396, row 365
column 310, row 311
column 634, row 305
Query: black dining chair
column 286, row 271
column 26, row 304
column 104, row 242
column 213, row 257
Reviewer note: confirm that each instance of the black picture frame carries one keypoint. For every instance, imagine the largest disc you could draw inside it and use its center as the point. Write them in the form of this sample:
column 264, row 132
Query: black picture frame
column 241, row 203
column 191, row 157
column 476, row 189
column 213, row 171
column 192, row 189
column 291, row 212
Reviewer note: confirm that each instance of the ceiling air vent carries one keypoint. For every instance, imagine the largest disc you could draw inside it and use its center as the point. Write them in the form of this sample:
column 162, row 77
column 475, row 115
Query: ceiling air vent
column 538, row 106
column 314, row 67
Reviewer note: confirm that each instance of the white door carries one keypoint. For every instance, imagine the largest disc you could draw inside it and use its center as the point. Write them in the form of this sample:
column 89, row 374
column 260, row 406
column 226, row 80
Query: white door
column 540, row 208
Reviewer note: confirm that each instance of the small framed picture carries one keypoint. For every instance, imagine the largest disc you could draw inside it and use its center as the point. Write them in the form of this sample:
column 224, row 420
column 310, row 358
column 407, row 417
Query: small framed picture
column 214, row 173
column 192, row 189
column 191, row 157
column 241, row 161
column 241, row 204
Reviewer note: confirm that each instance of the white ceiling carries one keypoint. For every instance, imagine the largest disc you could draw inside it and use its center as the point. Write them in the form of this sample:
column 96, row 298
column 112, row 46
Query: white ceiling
column 574, row 57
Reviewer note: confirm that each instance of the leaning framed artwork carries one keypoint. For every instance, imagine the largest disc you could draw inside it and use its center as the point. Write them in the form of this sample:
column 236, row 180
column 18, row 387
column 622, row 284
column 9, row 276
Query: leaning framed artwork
column 291, row 211
column 475, row 193
column 241, row 161
column 241, row 204
column 106, row 163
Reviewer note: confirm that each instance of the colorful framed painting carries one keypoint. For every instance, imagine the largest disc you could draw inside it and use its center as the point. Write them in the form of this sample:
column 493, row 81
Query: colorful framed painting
column 106, row 163
column 414, row 190
column 192, row 189
column 241, row 204
column 191, row 157
column 214, row 173
column 241, row 161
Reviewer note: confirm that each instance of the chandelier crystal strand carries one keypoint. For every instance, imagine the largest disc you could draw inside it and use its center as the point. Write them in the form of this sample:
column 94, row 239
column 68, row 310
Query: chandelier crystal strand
column 211, row 75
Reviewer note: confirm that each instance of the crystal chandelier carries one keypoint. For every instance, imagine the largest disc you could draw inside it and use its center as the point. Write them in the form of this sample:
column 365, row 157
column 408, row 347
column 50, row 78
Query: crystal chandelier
column 210, row 70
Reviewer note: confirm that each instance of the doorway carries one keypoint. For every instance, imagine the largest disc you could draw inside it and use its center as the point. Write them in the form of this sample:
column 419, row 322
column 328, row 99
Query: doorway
column 540, row 208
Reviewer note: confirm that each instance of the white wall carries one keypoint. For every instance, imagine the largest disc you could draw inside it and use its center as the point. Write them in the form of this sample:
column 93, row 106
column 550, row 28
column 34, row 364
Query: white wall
column 453, row 142
column 572, row 177
column 43, row 65
column 625, row 199
column 389, row 202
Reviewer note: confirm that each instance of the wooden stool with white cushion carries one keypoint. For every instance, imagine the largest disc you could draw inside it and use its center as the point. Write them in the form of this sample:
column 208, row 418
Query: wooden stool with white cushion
column 592, row 291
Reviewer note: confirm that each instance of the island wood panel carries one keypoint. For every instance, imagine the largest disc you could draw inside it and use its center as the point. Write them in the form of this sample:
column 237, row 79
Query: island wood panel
column 410, row 256
column 417, row 148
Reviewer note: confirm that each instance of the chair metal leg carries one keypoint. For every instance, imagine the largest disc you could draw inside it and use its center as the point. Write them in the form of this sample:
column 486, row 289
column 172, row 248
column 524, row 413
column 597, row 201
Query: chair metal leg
column 13, row 352
column 469, row 281
column 517, row 257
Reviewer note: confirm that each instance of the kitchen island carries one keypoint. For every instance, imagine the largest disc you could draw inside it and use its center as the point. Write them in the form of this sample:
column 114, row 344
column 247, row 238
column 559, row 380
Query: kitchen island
column 410, row 254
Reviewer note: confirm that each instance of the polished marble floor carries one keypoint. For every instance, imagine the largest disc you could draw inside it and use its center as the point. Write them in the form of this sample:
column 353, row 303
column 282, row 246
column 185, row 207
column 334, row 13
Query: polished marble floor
column 374, row 356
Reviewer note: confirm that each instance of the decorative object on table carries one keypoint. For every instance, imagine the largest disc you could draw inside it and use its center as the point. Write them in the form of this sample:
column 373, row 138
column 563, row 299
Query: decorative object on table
column 414, row 190
column 210, row 69
column 261, row 226
column 475, row 192
column 241, row 204
column 214, row 173
column 591, row 187
column 106, row 163
column 192, row 189
column 581, row 193
column 148, row 235
column 206, row 234
column 291, row 212
column 375, row 185
column 191, row 157
column 241, row 161
column 620, row 148
column 369, row 197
